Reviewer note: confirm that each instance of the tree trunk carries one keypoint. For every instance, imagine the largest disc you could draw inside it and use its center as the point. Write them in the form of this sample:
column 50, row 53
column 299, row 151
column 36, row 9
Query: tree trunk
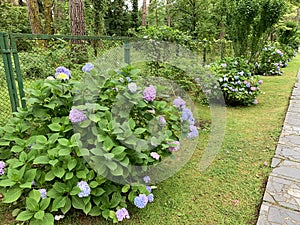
column 76, row 11
column 48, row 4
column 59, row 16
column 144, row 12
column 34, row 17
column 168, row 6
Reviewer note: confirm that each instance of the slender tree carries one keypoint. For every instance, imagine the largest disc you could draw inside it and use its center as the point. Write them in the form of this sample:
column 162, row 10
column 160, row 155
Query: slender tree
column 144, row 12
column 34, row 17
column 48, row 4
column 76, row 12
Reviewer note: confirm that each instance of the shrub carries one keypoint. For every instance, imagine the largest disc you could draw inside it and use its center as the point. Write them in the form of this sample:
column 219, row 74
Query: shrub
column 239, row 85
column 270, row 61
column 57, row 157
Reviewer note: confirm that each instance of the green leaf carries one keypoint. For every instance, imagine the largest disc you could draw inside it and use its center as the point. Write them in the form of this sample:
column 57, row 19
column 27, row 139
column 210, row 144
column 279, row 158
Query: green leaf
column 39, row 215
column 111, row 165
column 54, row 127
column 49, row 176
column 7, row 183
column 58, row 172
column 95, row 211
column 48, row 219
column 64, row 151
column 41, row 160
column 67, row 206
column 105, row 213
column 131, row 123
column 69, row 175
column 118, row 150
column 35, row 194
column 26, row 185
column 60, row 187
column 139, row 130
column 72, row 163
column 23, row 157
column 118, row 171
column 125, row 188
column 24, row 216
column 58, row 203
column 53, row 138
column 63, row 141
column 97, row 191
column 94, row 184
column 81, row 174
column 53, row 162
column 41, row 139
column 78, row 203
column 12, row 195
column 44, row 203
column 87, row 208
column 30, row 175
column 17, row 149
column 75, row 191
column 32, row 204
column 108, row 144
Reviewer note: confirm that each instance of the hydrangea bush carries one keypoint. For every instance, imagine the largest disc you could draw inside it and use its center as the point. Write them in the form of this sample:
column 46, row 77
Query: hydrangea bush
column 271, row 61
column 237, row 81
column 60, row 151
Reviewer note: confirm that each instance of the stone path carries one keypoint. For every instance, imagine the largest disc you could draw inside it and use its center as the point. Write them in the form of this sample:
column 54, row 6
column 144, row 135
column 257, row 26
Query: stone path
column 281, row 202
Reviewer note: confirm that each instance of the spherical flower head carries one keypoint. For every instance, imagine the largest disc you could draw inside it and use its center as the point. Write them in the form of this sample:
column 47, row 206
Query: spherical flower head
column 2, row 166
column 122, row 214
column 255, row 101
column 62, row 73
column 87, row 67
column 154, row 155
column 186, row 114
column 141, row 201
column 149, row 93
column 179, row 103
column 43, row 193
column 85, row 189
column 132, row 87
column 146, row 179
column 150, row 197
column 252, row 88
column 77, row 116
column 176, row 147
column 162, row 121
column 248, row 85
column 260, row 81
column 193, row 132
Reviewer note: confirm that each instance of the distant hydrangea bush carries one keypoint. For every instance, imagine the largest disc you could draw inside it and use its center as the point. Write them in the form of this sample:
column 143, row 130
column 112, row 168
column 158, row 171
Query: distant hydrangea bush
column 48, row 167
column 237, row 81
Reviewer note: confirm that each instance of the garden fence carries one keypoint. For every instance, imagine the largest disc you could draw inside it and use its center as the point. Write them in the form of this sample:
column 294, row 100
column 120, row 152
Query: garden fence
column 27, row 57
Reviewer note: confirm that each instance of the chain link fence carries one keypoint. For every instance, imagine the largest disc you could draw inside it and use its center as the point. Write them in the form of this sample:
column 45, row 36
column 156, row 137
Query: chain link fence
column 5, row 105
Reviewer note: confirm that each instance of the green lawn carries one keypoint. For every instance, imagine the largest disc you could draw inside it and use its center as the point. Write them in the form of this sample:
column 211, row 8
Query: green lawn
column 230, row 191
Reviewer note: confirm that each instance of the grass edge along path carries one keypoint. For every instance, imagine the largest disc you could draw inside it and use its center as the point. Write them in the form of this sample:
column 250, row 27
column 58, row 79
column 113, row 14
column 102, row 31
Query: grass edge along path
column 230, row 191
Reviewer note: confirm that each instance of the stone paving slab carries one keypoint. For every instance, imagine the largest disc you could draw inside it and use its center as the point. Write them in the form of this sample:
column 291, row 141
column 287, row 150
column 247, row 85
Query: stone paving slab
column 287, row 169
column 275, row 215
column 288, row 152
column 283, row 192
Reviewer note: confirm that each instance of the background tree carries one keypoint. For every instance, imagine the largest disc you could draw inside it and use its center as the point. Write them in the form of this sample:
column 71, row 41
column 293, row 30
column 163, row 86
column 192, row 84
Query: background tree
column 144, row 12
column 76, row 13
column 34, row 17
column 48, row 5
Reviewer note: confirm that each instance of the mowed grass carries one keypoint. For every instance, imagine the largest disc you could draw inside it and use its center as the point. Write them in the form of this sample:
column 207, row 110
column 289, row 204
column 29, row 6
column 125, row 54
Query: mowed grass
column 230, row 191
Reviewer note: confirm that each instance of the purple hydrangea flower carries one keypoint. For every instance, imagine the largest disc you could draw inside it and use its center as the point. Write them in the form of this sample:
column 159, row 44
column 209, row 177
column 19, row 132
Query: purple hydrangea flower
column 62, row 73
column 162, row 121
column 77, row 116
column 146, row 179
column 132, row 87
column 154, row 155
column 193, row 132
column 149, row 189
column 43, row 193
column 179, row 103
column 2, row 166
column 122, row 214
column 252, row 88
column 260, row 81
column 87, row 67
column 150, row 197
column 141, row 201
column 85, row 189
column 175, row 148
column 255, row 101
column 149, row 93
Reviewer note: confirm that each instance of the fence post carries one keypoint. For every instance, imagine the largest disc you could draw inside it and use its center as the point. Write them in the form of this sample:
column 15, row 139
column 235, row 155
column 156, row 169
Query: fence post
column 8, row 67
column 18, row 69
column 127, row 52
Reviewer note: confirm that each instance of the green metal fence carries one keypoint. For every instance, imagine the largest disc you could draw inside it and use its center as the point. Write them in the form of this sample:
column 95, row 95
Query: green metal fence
column 27, row 57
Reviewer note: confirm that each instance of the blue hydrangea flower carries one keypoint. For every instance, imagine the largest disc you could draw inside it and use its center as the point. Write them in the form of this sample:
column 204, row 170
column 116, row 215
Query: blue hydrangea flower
column 43, row 193
column 149, row 189
column 193, row 132
column 248, row 85
column 77, row 116
column 141, row 201
column 122, row 214
column 162, row 121
column 132, row 87
column 150, row 197
column 149, row 93
column 179, row 103
column 85, row 189
column 87, row 67
column 62, row 73
column 146, row 179
column 2, row 166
